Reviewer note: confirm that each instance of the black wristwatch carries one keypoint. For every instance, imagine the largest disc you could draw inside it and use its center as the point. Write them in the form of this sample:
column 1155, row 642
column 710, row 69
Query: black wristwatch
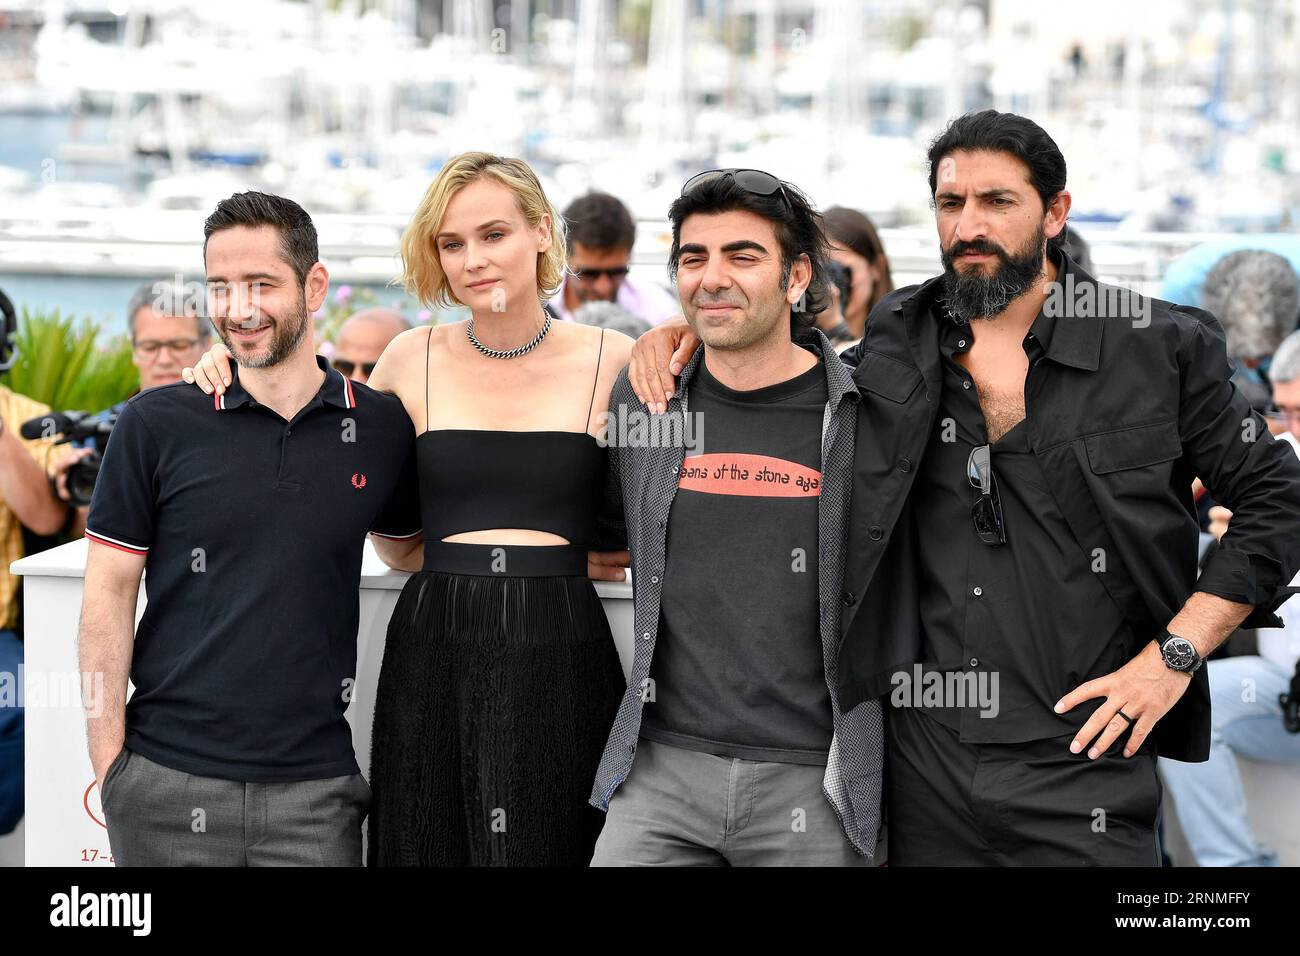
column 1179, row 653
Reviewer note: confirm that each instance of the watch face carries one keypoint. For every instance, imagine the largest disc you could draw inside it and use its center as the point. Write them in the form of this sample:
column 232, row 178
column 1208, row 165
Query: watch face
column 1179, row 653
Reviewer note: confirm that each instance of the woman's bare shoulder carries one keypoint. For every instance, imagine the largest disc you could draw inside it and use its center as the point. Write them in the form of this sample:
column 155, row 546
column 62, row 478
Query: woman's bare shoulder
column 402, row 362
column 595, row 337
column 431, row 341
column 422, row 336
column 403, row 345
column 618, row 349
column 615, row 355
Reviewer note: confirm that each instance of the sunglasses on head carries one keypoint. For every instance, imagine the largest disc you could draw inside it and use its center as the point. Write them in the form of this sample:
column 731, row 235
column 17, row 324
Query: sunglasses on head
column 751, row 180
column 987, row 510
column 347, row 367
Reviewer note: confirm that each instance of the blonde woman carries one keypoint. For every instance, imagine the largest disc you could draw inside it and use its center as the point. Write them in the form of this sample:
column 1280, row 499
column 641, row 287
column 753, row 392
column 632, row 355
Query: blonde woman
column 500, row 679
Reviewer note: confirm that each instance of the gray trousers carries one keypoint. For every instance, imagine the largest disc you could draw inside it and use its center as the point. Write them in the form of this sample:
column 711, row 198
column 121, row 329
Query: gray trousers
column 158, row 816
column 684, row 808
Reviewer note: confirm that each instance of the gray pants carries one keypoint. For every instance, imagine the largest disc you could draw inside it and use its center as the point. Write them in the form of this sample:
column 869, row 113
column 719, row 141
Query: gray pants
column 683, row 808
column 158, row 816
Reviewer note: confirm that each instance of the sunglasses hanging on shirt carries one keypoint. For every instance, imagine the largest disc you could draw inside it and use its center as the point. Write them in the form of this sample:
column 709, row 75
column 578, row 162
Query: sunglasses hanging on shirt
column 987, row 510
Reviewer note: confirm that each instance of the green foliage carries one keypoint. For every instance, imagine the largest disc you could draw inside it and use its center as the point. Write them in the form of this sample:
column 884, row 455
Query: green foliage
column 57, row 363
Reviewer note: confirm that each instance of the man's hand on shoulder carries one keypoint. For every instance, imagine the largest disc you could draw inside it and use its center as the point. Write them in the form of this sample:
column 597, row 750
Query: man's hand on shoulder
column 658, row 357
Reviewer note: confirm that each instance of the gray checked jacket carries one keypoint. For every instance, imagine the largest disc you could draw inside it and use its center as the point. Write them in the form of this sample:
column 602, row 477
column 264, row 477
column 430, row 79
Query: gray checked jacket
column 644, row 475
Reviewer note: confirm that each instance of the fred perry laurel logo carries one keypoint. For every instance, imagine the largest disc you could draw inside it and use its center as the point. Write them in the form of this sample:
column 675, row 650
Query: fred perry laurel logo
column 358, row 481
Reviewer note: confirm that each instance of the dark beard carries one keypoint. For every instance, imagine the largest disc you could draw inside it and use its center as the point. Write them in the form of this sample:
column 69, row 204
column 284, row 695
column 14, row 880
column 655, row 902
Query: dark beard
column 976, row 295
column 286, row 333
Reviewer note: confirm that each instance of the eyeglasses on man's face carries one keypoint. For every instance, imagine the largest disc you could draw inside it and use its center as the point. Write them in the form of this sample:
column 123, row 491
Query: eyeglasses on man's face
column 1285, row 414
column 616, row 274
column 150, row 348
column 348, row 367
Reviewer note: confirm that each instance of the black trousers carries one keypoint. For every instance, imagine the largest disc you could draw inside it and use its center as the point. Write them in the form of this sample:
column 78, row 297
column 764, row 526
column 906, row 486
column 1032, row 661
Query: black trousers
column 1031, row 804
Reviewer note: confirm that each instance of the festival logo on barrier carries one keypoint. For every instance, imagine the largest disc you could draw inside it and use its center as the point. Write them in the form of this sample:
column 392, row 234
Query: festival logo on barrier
column 95, row 810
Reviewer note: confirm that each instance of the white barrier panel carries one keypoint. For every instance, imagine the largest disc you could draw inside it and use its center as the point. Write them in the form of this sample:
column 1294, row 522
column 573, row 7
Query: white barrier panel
column 64, row 824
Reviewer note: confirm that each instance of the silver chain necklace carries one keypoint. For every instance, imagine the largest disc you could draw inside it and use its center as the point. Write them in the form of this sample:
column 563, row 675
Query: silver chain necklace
column 507, row 353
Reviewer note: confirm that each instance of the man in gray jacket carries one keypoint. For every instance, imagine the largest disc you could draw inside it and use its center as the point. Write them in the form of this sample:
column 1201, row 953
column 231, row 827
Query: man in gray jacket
column 730, row 746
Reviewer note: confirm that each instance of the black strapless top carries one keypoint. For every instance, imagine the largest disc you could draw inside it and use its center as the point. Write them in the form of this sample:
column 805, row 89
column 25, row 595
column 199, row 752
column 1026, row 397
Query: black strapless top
column 479, row 479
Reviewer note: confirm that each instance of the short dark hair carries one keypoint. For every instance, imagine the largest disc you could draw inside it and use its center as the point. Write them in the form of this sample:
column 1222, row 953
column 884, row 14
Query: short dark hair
column 599, row 221
column 298, row 246
column 1018, row 136
column 797, row 224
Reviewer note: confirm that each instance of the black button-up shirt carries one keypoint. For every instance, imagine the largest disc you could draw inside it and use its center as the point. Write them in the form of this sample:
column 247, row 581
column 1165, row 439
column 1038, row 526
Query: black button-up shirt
column 1131, row 399
column 1012, row 628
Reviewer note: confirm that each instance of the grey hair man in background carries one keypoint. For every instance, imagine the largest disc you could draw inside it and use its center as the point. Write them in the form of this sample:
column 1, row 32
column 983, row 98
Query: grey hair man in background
column 167, row 333
column 1255, row 294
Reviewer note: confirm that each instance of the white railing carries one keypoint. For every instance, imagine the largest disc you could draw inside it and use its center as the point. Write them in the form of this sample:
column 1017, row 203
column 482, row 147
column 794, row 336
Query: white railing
column 136, row 242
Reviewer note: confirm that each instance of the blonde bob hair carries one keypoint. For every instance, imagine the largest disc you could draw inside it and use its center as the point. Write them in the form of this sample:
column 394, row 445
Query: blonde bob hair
column 422, row 273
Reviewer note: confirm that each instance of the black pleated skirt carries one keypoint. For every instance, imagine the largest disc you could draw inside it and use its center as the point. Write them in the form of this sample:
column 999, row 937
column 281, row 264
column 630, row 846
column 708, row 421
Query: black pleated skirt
column 495, row 699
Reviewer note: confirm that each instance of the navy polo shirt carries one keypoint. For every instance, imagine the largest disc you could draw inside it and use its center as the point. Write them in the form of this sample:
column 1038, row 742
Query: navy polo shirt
column 252, row 528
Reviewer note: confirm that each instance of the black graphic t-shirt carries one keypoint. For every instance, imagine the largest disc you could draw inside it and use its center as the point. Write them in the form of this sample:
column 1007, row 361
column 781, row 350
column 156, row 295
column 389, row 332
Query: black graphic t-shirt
column 738, row 668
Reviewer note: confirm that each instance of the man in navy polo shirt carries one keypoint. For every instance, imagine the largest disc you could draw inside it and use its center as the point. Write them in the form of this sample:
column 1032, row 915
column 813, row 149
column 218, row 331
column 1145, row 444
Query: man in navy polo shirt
column 249, row 512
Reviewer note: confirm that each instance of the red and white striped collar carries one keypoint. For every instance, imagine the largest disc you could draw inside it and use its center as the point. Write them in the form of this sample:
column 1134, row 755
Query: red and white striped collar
column 337, row 389
column 338, row 392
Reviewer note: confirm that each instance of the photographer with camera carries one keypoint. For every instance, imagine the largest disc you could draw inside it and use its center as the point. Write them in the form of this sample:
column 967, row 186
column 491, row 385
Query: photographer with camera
column 167, row 334
column 831, row 319
column 25, row 501
column 1252, row 698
